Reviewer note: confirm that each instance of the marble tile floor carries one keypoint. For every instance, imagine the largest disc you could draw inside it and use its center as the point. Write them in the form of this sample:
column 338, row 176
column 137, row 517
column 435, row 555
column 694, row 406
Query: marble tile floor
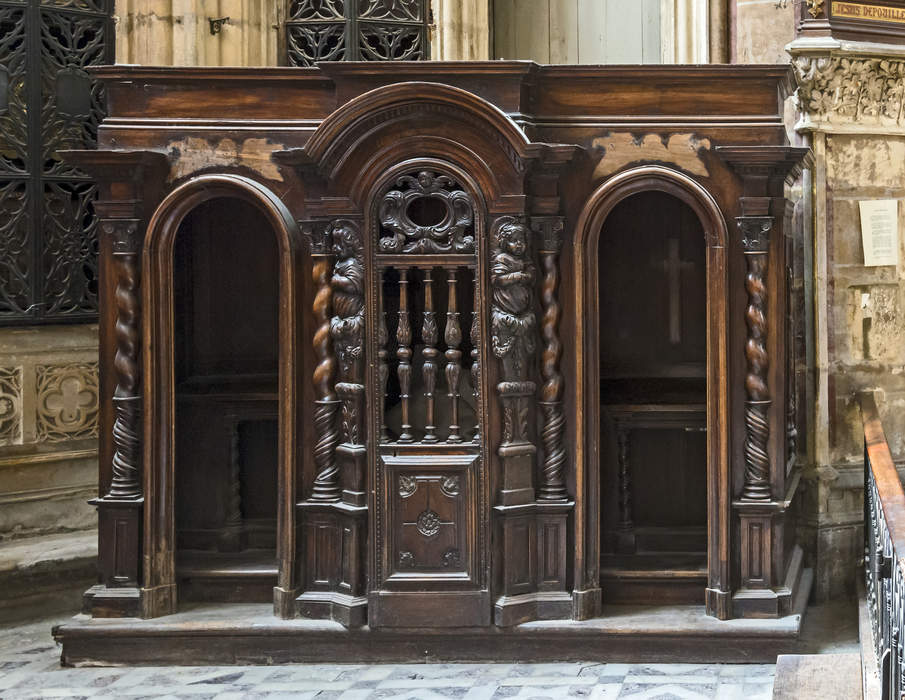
column 29, row 668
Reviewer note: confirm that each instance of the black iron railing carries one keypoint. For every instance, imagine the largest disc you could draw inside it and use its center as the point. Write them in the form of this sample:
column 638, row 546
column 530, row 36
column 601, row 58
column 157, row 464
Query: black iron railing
column 884, row 547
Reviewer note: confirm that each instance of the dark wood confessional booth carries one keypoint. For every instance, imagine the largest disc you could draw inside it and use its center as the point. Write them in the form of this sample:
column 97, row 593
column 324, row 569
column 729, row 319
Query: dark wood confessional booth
column 441, row 354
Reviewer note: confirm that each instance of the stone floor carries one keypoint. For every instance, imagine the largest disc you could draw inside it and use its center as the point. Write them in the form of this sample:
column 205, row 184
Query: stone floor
column 29, row 668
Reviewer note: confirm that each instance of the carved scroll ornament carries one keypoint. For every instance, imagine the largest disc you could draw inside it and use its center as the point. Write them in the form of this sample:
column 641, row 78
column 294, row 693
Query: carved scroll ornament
column 451, row 234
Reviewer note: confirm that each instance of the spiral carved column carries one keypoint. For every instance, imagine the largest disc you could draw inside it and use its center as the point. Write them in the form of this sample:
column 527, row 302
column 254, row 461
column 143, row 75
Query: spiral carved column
column 755, row 232
column 552, row 485
column 326, row 481
column 126, row 482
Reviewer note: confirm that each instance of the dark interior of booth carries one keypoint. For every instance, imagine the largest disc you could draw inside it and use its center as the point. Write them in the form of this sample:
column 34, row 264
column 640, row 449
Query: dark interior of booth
column 226, row 297
column 653, row 393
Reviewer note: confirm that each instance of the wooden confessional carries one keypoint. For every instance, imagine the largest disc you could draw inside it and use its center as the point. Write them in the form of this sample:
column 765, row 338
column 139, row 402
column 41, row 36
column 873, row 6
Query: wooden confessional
column 442, row 355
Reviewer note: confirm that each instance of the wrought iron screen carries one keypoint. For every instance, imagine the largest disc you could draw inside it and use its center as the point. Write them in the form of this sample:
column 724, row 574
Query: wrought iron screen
column 48, row 102
column 357, row 30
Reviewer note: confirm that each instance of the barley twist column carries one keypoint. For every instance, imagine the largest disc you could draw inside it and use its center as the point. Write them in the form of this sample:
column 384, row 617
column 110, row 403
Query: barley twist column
column 326, row 481
column 755, row 232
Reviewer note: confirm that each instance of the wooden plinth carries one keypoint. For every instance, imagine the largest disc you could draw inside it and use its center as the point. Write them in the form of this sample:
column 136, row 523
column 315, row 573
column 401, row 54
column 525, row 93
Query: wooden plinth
column 248, row 634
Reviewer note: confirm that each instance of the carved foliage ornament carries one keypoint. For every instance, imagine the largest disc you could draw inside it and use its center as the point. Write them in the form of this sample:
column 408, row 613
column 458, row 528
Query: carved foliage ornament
column 815, row 7
column 840, row 89
column 446, row 221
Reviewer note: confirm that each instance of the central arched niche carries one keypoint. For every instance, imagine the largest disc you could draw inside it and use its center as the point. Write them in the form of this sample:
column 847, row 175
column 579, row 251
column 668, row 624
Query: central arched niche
column 226, row 295
column 653, row 394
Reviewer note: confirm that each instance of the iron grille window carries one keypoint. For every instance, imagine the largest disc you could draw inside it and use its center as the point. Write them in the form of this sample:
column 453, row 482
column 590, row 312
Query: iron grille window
column 357, row 30
column 48, row 102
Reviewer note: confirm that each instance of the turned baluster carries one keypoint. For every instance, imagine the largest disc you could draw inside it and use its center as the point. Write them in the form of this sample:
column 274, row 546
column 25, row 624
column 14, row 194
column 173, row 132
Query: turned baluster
column 625, row 479
column 475, row 361
column 453, row 338
column 383, row 369
column 430, row 336
column 404, row 354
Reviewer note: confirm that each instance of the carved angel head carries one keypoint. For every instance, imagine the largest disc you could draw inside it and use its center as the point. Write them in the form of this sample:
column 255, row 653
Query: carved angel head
column 345, row 238
column 513, row 238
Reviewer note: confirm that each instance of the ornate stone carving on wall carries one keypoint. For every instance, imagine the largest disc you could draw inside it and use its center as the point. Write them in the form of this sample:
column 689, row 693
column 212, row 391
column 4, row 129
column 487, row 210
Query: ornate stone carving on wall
column 855, row 89
column 10, row 405
column 67, row 401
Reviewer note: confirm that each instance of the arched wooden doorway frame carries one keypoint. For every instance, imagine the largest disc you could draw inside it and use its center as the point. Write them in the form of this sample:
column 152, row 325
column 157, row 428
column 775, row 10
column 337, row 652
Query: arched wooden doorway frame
column 159, row 575
column 588, row 229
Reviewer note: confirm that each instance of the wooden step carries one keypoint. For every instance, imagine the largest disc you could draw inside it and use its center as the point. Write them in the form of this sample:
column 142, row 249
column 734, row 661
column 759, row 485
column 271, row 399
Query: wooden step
column 671, row 578
column 228, row 577
column 823, row 676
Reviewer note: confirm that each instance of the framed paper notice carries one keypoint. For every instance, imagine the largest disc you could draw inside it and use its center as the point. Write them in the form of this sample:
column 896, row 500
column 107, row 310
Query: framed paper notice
column 880, row 231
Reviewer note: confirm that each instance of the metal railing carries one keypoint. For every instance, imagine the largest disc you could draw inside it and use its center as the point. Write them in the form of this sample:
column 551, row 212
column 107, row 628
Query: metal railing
column 884, row 548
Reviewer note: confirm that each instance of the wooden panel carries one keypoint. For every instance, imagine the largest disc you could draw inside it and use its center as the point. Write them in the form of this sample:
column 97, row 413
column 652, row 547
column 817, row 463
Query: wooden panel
column 430, row 501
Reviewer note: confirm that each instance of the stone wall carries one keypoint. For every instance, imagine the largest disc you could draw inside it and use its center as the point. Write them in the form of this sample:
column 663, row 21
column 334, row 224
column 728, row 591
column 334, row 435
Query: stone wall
column 48, row 429
column 763, row 28
column 851, row 111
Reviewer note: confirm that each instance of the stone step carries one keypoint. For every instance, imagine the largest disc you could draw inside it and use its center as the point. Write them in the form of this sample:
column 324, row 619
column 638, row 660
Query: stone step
column 823, row 676
column 45, row 575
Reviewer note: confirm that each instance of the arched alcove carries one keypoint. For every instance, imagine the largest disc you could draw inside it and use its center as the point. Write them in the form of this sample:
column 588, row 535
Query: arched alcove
column 687, row 210
column 653, row 394
column 226, row 268
column 222, row 376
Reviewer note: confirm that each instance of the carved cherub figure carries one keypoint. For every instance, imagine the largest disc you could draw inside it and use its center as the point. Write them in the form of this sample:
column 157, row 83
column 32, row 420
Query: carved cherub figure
column 347, row 283
column 512, row 277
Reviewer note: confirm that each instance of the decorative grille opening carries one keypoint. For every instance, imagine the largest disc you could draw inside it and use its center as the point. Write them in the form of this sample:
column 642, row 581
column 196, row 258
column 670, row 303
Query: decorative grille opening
column 48, row 103
column 429, row 324
column 357, row 30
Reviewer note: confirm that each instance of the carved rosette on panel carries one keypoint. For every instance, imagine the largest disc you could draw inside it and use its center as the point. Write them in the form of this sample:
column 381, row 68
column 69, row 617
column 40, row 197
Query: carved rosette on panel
column 512, row 323
column 552, row 484
column 326, row 480
column 67, row 401
column 452, row 234
column 10, row 406
column 347, row 324
column 755, row 232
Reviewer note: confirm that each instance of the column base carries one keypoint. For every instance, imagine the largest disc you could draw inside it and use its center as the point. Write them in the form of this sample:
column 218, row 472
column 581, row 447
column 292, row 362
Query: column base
column 100, row 601
column 516, row 609
column 587, row 603
column 349, row 611
column 158, row 600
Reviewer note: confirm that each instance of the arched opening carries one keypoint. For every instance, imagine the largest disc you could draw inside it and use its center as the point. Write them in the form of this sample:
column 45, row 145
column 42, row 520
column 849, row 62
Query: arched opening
column 226, row 362
column 221, row 332
column 592, row 247
column 652, row 312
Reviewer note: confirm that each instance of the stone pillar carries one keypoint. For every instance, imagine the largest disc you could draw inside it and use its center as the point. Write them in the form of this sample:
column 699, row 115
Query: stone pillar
column 850, row 107
column 461, row 30
column 128, row 184
column 187, row 33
